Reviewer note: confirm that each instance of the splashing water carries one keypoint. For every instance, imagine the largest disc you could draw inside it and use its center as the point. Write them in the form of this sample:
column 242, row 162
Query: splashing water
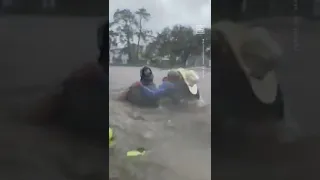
column 178, row 142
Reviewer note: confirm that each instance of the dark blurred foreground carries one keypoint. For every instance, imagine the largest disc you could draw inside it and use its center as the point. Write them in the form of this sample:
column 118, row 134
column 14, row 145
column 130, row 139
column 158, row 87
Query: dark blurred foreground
column 37, row 52
column 295, row 159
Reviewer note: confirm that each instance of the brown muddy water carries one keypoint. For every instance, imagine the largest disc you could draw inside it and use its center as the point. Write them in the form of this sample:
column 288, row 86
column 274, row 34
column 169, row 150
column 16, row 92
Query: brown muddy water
column 178, row 141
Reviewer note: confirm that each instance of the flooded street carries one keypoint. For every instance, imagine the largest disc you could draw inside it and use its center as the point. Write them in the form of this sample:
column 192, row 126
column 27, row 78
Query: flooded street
column 179, row 142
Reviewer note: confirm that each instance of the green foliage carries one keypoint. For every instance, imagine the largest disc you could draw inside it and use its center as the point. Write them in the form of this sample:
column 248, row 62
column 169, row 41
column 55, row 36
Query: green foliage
column 176, row 43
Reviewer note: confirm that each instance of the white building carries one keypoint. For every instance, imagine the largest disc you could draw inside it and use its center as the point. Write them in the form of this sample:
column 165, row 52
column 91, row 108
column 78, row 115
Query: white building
column 116, row 56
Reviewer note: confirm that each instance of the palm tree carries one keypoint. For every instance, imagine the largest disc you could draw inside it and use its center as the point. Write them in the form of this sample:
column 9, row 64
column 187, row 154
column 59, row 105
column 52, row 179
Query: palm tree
column 126, row 24
column 143, row 15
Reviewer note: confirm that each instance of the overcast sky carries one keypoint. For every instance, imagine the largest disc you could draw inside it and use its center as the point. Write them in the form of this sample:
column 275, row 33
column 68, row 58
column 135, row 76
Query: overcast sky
column 168, row 12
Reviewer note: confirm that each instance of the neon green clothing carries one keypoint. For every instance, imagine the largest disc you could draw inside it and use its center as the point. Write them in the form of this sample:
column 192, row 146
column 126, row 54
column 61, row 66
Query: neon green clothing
column 111, row 138
column 135, row 153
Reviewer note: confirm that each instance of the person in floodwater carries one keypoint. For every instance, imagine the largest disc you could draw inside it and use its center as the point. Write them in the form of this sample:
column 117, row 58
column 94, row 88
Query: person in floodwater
column 179, row 85
column 134, row 93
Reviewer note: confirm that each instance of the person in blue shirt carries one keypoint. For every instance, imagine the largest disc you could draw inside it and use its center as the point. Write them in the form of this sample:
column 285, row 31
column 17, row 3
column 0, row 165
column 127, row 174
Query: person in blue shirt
column 164, row 89
column 176, row 86
column 134, row 94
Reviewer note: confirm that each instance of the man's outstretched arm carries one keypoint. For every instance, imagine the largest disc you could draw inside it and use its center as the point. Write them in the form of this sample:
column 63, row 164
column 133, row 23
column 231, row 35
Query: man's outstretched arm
column 157, row 93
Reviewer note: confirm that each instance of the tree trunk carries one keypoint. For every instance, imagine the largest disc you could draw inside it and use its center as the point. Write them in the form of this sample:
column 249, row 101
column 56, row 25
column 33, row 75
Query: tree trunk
column 139, row 36
column 186, row 53
column 129, row 50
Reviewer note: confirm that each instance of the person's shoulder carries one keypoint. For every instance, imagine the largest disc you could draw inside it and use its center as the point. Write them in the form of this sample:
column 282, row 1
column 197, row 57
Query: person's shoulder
column 134, row 89
column 135, row 84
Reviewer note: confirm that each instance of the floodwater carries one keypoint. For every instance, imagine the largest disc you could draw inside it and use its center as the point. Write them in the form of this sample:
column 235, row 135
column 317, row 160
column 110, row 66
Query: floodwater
column 294, row 156
column 178, row 141
column 179, row 148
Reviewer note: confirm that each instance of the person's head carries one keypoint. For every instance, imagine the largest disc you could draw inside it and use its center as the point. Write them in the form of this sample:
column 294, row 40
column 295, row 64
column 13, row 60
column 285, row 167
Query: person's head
column 174, row 76
column 146, row 75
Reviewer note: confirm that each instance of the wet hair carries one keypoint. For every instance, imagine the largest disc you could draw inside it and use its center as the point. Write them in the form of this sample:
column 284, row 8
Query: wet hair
column 146, row 75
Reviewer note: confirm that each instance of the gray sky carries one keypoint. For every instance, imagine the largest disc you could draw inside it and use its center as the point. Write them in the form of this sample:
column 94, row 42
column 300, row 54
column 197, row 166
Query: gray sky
column 168, row 12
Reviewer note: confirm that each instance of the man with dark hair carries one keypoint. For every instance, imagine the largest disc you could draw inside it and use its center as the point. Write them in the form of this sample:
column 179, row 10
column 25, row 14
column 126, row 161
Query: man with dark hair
column 138, row 97
column 146, row 76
